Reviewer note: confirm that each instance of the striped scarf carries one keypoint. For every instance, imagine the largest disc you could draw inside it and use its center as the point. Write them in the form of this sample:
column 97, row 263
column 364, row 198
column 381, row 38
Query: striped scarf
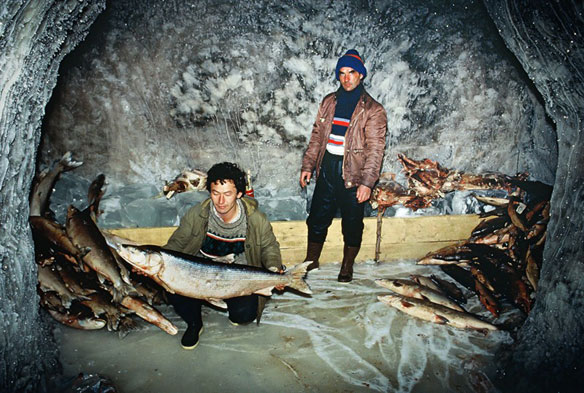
column 346, row 103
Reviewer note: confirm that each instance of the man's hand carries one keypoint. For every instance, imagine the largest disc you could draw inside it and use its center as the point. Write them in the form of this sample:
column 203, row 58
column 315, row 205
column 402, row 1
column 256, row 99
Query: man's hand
column 305, row 178
column 229, row 258
column 281, row 271
column 363, row 193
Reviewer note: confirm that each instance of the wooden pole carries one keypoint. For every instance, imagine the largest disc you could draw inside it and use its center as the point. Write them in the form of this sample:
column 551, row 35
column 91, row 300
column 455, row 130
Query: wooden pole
column 380, row 212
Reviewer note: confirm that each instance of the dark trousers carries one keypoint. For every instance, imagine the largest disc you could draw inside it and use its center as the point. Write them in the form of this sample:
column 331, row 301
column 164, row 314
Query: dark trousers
column 242, row 309
column 329, row 195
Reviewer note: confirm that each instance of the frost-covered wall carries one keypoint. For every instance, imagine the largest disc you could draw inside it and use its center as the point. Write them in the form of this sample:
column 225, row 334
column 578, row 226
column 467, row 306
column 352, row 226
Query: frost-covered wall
column 548, row 40
column 34, row 37
column 163, row 86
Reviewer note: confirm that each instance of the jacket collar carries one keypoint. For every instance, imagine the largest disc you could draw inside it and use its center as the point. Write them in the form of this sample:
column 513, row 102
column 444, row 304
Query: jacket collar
column 362, row 98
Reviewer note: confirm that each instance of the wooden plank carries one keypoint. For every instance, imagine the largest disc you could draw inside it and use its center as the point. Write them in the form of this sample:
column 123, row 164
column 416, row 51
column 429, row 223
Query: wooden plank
column 157, row 236
column 402, row 237
column 389, row 252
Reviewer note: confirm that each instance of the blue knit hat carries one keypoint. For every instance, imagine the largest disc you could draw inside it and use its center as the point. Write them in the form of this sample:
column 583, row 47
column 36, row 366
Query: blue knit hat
column 351, row 59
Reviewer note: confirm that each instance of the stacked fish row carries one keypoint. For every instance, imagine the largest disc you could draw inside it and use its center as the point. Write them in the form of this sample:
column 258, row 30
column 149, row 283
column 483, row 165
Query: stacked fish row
column 428, row 180
column 501, row 260
column 431, row 299
column 499, row 263
column 83, row 283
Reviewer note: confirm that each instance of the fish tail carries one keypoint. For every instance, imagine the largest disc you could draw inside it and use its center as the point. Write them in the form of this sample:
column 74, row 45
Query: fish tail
column 67, row 162
column 298, row 272
column 117, row 296
column 121, row 291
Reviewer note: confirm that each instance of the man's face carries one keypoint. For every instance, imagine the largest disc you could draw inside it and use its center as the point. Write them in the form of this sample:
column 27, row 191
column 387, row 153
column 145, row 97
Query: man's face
column 224, row 197
column 349, row 78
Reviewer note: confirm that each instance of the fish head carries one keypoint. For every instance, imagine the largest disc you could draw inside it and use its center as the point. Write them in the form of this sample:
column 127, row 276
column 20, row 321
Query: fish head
column 383, row 282
column 146, row 261
column 388, row 283
column 72, row 211
column 388, row 299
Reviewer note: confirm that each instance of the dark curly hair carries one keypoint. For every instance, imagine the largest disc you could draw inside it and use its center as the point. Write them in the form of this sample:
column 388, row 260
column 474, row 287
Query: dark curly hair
column 226, row 171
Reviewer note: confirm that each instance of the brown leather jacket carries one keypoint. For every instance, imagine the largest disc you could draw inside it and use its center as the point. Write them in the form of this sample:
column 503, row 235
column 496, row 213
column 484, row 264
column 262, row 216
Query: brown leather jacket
column 364, row 140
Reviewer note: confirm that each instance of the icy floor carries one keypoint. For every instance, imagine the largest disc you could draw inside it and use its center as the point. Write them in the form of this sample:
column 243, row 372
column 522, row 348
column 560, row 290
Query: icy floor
column 342, row 339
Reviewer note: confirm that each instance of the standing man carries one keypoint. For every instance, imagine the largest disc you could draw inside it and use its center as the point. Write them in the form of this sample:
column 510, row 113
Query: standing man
column 346, row 150
column 230, row 227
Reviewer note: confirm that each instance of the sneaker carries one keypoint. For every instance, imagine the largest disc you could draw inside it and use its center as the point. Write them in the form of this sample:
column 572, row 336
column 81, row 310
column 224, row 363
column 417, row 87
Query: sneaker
column 191, row 337
column 233, row 323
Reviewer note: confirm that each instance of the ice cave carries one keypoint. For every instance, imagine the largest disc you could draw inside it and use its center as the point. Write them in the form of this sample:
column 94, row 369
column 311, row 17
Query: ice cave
column 139, row 91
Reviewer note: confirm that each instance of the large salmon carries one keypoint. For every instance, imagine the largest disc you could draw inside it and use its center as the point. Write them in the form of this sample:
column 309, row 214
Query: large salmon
column 203, row 279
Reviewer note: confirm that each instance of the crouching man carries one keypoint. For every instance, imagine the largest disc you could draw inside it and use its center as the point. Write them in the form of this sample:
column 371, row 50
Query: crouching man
column 227, row 227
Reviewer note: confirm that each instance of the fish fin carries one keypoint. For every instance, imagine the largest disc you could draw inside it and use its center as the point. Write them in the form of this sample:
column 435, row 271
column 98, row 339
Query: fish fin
column 81, row 297
column 117, row 296
column 83, row 266
column 440, row 319
column 406, row 304
column 265, row 291
column 298, row 272
column 120, row 292
column 218, row 303
column 84, row 251
column 124, row 272
column 86, row 292
column 68, row 163
column 101, row 278
column 484, row 332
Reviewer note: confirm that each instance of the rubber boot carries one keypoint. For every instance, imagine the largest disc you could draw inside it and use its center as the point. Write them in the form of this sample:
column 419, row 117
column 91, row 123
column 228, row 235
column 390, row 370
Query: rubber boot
column 313, row 251
column 190, row 338
column 349, row 255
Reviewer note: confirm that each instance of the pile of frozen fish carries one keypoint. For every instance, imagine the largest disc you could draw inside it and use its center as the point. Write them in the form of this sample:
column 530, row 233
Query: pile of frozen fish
column 499, row 263
column 427, row 180
column 82, row 282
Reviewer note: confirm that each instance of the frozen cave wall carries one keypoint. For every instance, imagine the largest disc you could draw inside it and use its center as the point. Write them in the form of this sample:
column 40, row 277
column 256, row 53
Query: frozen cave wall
column 162, row 86
column 34, row 38
column 547, row 38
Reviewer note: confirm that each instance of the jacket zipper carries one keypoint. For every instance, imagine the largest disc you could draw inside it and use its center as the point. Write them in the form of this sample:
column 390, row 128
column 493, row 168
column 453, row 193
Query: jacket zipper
column 350, row 128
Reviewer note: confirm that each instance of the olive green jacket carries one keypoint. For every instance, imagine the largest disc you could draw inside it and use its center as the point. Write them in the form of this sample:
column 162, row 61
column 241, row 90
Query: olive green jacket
column 261, row 247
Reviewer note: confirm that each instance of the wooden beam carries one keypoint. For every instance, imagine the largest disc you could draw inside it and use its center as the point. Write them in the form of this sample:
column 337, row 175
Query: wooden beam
column 401, row 238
